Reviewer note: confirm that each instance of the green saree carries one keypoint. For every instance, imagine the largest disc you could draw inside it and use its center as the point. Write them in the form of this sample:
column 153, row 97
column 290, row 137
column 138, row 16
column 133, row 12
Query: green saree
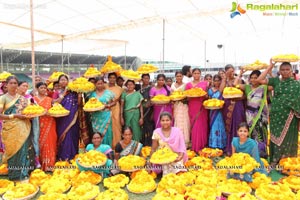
column 131, row 112
column 283, row 123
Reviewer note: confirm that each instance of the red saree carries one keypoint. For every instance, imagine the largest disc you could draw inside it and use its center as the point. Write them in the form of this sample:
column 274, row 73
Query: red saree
column 48, row 136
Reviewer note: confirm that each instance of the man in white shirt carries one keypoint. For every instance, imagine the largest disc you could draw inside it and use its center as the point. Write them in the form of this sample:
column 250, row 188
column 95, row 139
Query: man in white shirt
column 187, row 73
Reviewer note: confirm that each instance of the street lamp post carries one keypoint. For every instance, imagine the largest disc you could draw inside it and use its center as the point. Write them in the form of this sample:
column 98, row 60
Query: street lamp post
column 220, row 46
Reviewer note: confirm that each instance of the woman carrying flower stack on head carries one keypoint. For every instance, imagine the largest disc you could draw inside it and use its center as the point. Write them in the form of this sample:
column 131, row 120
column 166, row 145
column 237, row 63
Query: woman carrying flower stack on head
column 181, row 110
column 160, row 89
column 67, row 127
column 16, row 131
column 98, row 145
column 102, row 120
column 198, row 114
column 170, row 137
column 148, row 125
column 132, row 110
column 217, row 135
column 48, row 135
column 256, row 110
column 115, row 108
column 233, row 109
column 284, row 112
column 244, row 144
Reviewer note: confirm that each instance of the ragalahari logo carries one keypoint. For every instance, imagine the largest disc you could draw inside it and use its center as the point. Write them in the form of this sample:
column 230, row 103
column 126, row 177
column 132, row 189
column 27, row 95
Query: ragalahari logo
column 236, row 10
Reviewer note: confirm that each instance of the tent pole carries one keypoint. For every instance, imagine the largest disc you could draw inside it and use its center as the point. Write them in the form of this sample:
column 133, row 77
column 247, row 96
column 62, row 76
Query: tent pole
column 32, row 44
column 163, row 48
column 62, row 53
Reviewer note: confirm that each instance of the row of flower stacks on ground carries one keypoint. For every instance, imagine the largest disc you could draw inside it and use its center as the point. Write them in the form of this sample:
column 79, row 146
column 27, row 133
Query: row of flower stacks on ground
column 202, row 180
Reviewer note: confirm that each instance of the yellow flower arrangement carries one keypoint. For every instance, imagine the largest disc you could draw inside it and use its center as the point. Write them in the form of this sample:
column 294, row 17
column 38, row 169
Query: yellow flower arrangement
column 51, row 196
column 3, row 169
column 92, row 72
column 93, row 104
column 177, row 95
column 274, row 191
column 146, row 69
column 257, row 65
column 202, row 192
column 135, row 173
column 146, row 150
column 188, row 178
column 290, row 165
column 213, row 103
column 58, row 109
column 86, row 177
column 84, row 190
column 92, row 158
column 210, row 152
column 117, row 181
column 56, row 184
column 298, row 195
column 265, row 162
column 238, row 163
column 171, row 181
column 20, row 191
column 286, row 58
column 131, row 163
column 38, row 177
column 241, row 196
column 113, row 194
column 191, row 154
column 131, row 75
column 232, row 92
column 202, row 163
column 258, row 179
column 207, row 178
column 293, row 182
column 161, row 99
column 5, row 185
column 142, row 183
column 110, row 66
column 63, row 169
column 33, row 110
column 55, row 75
column 163, row 156
column 4, row 75
column 234, row 186
column 195, row 92
column 81, row 85
column 168, row 194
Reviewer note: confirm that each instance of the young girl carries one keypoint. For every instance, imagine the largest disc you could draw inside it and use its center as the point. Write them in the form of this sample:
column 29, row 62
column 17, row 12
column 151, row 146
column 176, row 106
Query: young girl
column 247, row 145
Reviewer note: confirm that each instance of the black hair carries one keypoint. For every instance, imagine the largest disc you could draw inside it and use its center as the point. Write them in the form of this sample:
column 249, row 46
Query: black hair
column 129, row 81
column 243, row 125
column 196, row 69
column 285, row 63
column 56, row 82
column 112, row 74
column 165, row 114
column 178, row 72
column 10, row 78
column 98, row 134
column 145, row 75
column 120, row 78
column 165, row 86
column 227, row 67
column 207, row 75
column 21, row 82
column 99, row 78
column 63, row 75
column 296, row 71
column 217, row 76
column 221, row 70
column 39, row 84
column 127, row 128
column 169, row 78
column 255, row 72
column 185, row 69
column 92, row 78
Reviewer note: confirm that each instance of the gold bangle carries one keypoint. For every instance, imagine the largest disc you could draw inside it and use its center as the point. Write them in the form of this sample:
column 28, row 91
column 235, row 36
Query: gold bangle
column 11, row 116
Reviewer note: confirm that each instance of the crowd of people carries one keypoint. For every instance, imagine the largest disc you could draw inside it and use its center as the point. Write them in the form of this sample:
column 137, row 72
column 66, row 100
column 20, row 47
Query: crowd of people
column 267, row 102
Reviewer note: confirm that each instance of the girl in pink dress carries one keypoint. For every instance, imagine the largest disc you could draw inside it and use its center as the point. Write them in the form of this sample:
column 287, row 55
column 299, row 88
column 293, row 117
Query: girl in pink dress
column 198, row 114
column 160, row 88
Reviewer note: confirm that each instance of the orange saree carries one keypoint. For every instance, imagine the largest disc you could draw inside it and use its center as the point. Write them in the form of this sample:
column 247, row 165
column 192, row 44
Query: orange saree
column 48, row 136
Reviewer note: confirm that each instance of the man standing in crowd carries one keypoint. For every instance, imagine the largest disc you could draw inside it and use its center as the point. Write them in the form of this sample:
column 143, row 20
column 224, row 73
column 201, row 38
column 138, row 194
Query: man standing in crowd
column 187, row 73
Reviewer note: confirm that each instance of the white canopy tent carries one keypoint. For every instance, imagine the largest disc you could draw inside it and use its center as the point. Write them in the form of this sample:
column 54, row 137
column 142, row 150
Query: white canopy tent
column 193, row 29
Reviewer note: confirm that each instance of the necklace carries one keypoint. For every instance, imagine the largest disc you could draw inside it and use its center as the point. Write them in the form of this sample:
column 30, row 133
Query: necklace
column 11, row 96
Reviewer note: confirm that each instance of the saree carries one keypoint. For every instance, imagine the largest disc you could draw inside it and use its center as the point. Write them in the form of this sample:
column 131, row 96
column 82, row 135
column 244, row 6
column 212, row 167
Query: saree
column 233, row 115
column 19, row 152
column 283, row 123
column 115, row 115
column 157, row 109
column 250, row 147
column 257, row 116
column 103, row 170
column 67, row 128
column 198, row 118
column 175, row 142
column 181, row 114
column 132, row 113
column 134, row 148
column 48, row 136
column 217, row 134
column 148, row 125
column 101, row 120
